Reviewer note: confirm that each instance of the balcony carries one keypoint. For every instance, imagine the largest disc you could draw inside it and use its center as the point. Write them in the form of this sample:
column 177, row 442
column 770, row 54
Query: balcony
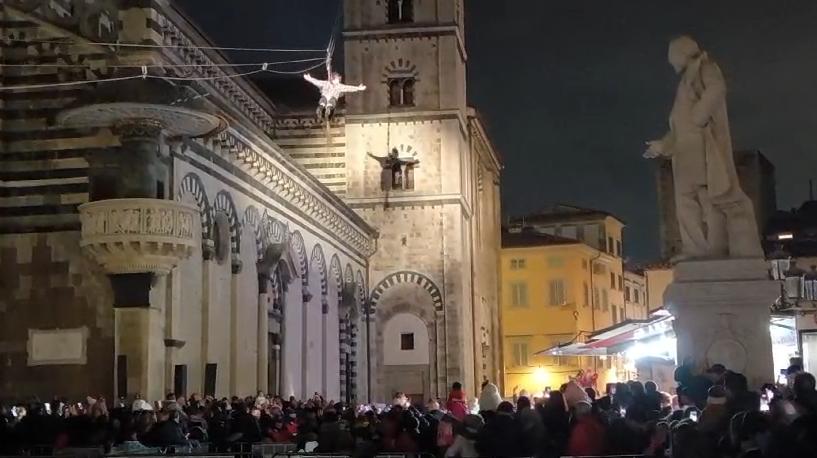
column 130, row 236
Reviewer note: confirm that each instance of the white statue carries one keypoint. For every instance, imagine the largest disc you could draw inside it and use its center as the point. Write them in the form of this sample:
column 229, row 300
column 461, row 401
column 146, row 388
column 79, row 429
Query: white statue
column 715, row 218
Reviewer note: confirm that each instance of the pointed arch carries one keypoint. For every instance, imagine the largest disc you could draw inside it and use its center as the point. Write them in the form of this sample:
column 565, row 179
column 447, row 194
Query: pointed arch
column 252, row 218
column 348, row 274
column 192, row 186
column 407, row 276
column 299, row 250
column 272, row 230
column 224, row 204
column 336, row 273
column 361, row 288
column 318, row 263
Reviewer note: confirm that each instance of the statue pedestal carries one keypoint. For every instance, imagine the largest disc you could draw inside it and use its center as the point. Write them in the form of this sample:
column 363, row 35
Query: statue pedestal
column 721, row 310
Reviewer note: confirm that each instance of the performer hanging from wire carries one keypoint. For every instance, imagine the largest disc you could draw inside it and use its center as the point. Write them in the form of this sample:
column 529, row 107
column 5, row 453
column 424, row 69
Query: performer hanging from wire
column 331, row 91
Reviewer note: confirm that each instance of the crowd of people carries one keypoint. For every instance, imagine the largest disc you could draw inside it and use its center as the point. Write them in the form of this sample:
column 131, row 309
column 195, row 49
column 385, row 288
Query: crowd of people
column 713, row 414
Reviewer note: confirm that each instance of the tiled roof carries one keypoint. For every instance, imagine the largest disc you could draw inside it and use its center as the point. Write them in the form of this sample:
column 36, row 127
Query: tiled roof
column 528, row 238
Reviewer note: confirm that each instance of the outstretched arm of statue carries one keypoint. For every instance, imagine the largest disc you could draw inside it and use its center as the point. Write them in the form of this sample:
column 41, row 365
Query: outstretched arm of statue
column 659, row 148
column 713, row 95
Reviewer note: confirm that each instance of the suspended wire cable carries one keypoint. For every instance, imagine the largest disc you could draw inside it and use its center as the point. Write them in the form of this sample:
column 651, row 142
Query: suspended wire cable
column 254, row 64
column 146, row 75
column 148, row 45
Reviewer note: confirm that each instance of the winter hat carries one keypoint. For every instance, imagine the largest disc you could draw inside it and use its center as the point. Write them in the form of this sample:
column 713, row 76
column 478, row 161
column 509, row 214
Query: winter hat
column 489, row 399
column 141, row 404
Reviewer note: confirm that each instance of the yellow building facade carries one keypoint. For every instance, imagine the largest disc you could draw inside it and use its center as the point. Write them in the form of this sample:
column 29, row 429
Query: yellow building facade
column 558, row 290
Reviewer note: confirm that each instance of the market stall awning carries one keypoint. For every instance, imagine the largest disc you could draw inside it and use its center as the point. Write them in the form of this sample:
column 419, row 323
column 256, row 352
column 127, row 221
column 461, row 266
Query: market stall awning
column 610, row 340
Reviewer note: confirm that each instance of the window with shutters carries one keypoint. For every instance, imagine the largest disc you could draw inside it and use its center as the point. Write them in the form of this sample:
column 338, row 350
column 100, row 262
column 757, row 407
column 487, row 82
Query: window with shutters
column 586, row 294
column 519, row 294
column 637, row 296
column 520, row 354
column 605, row 301
column 557, row 292
column 612, row 280
column 627, row 293
column 615, row 315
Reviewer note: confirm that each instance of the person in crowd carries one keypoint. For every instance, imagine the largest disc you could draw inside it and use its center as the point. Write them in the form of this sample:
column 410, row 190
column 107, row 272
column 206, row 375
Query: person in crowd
column 692, row 389
column 738, row 396
column 531, row 427
column 457, row 404
column 333, row 436
column 805, row 395
column 168, row 431
column 500, row 437
column 715, row 416
column 557, row 423
column 652, row 396
column 587, row 435
column 465, row 443
column 489, row 399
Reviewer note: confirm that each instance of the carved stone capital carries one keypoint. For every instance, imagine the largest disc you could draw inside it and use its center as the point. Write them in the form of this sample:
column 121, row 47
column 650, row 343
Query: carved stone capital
column 307, row 296
column 208, row 249
column 138, row 129
column 236, row 266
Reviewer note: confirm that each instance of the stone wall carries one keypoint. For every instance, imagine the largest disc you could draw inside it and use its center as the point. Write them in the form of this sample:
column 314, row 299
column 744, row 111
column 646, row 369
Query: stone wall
column 47, row 284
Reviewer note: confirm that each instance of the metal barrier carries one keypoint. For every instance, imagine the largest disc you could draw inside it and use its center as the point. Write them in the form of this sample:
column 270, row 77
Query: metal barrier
column 264, row 450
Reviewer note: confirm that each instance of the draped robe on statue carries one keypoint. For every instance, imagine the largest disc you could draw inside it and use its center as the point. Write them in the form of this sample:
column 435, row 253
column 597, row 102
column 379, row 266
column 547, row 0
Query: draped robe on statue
column 715, row 217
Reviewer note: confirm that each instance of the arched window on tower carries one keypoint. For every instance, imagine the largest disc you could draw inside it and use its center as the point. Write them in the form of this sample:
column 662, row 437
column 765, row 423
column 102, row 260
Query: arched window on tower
column 408, row 177
column 400, row 11
column 401, row 92
column 395, row 92
column 408, row 91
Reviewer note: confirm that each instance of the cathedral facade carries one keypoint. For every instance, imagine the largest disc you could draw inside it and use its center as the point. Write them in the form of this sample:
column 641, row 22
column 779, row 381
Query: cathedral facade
column 180, row 233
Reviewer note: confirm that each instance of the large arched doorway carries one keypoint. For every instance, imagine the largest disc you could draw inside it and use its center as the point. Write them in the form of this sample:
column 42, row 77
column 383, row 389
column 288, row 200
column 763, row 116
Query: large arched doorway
column 406, row 356
column 410, row 322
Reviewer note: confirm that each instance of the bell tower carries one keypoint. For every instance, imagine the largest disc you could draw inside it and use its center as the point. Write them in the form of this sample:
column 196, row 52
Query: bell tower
column 412, row 173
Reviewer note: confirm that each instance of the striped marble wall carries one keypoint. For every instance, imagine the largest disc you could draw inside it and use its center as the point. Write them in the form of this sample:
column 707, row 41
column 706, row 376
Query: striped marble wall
column 319, row 150
column 43, row 167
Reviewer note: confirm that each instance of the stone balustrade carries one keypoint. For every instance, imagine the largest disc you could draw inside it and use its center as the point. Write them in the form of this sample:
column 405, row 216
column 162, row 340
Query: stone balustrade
column 138, row 235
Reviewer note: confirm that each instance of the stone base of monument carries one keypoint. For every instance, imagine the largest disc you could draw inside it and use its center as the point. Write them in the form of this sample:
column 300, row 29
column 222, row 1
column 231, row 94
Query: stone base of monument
column 721, row 311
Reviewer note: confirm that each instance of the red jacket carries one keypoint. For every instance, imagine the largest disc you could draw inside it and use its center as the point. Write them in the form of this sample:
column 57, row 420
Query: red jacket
column 587, row 438
column 457, row 404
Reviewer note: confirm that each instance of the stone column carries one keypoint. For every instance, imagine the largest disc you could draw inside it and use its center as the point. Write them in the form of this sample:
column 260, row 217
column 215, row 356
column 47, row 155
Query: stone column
column 208, row 251
column 138, row 330
column 324, row 347
column 133, row 172
column 721, row 311
column 262, row 330
column 234, row 329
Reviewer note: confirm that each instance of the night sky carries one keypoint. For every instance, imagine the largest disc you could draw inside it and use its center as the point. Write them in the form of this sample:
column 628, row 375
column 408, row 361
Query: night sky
column 571, row 89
